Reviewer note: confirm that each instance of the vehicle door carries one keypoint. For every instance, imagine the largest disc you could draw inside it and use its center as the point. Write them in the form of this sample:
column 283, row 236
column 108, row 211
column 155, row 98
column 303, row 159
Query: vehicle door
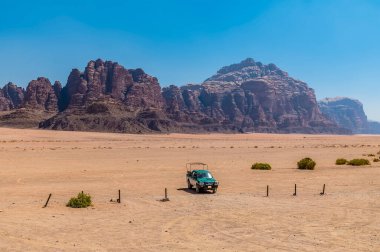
column 193, row 178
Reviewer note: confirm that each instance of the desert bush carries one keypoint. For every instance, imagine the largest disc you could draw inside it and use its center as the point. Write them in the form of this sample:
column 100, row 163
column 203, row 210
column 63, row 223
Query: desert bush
column 371, row 155
column 83, row 200
column 376, row 160
column 341, row 161
column 306, row 164
column 358, row 162
column 261, row 166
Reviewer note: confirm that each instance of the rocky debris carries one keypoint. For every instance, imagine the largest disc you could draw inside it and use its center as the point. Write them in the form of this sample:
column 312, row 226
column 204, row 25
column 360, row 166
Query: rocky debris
column 24, row 118
column 40, row 95
column 348, row 113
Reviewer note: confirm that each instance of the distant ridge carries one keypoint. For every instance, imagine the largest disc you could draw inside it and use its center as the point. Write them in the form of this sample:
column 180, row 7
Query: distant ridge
column 244, row 97
column 349, row 113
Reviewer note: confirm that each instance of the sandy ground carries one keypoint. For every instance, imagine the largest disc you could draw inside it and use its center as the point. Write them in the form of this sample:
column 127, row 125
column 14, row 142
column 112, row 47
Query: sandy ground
column 34, row 163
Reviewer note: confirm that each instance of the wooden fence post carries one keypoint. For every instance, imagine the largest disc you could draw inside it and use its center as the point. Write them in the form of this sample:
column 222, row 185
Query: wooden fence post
column 119, row 199
column 47, row 201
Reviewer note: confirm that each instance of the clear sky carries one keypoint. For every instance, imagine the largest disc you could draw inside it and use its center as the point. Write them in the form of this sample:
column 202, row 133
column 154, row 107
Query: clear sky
column 333, row 45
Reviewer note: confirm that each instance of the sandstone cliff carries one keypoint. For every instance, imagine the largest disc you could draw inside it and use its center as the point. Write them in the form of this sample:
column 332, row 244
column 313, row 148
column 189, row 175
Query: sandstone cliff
column 244, row 97
column 348, row 113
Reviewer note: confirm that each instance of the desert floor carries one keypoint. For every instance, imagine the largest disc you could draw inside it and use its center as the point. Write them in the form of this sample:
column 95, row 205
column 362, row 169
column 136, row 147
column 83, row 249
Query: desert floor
column 34, row 163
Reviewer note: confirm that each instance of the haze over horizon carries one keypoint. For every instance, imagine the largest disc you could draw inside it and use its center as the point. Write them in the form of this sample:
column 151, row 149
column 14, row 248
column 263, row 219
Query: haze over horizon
column 333, row 46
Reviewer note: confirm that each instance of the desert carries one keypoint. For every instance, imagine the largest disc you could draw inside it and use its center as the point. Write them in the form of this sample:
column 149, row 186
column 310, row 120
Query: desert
column 239, row 217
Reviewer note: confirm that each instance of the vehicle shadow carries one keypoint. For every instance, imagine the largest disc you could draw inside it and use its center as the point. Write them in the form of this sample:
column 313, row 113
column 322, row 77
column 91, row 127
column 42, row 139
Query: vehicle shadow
column 192, row 191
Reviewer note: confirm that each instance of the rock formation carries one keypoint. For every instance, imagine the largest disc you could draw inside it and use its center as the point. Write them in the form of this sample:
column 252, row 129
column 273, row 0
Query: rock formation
column 244, row 97
column 103, row 80
column 40, row 95
column 11, row 97
column 108, row 97
column 348, row 113
column 248, row 97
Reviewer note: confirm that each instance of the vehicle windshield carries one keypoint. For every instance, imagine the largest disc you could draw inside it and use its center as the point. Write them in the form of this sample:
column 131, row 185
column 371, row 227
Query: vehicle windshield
column 204, row 175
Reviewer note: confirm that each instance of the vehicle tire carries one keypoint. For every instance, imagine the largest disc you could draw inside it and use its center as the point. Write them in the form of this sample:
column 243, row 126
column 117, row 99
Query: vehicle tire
column 214, row 190
column 197, row 189
column 189, row 185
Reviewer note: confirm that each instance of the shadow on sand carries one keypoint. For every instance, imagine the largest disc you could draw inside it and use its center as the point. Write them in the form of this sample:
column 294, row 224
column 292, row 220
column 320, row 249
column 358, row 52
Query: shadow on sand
column 192, row 191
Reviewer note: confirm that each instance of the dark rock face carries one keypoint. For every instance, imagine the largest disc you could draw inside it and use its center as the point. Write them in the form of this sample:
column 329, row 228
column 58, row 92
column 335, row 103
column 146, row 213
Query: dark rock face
column 40, row 95
column 110, row 98
column 244, row 97
column 249, row 96
column 14, row 94
column 4, row 102
column 348, row 113
column 11, row 97
column 101, row 80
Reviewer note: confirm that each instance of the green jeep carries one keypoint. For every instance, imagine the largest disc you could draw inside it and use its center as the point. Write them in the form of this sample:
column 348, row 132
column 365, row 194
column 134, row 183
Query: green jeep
column 200, row 179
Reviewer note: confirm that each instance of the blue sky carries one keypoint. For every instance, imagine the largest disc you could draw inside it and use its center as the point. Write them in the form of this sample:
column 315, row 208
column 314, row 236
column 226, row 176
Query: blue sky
column 334, row 45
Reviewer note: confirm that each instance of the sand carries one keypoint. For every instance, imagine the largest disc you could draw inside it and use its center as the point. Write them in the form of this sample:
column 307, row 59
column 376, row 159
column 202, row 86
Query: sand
column 34, row 163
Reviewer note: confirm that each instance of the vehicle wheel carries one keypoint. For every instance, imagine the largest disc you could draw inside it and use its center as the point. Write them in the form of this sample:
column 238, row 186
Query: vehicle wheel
column 189, row 186
column 197, row 189
column 214, row 190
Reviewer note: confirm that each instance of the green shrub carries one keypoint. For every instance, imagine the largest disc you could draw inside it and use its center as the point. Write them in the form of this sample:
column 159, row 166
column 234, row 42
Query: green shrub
column 81, row 201
column 261, row 166
column 306, row 164
column 358, row 162
column 341, row 161
column 376, row 160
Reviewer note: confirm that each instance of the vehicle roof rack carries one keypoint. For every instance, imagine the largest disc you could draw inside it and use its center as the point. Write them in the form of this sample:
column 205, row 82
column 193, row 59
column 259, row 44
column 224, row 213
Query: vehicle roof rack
column 189, row 165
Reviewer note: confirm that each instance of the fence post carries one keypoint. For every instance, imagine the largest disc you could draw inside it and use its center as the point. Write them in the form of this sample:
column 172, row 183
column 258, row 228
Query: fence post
column 119, row 199
column 323, row 190
column 47, row 201
column 166, row 196
column 295, row 190
column 267, row 190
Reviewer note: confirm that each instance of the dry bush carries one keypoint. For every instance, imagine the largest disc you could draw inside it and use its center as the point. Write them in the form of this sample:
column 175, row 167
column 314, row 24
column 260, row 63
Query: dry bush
column 261, row 166
column 83, row 200
column 306, row 164
column 358, row 162
column 341, row 161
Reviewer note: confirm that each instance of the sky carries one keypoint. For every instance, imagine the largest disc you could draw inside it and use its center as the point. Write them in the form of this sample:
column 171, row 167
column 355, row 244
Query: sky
column 333, row 45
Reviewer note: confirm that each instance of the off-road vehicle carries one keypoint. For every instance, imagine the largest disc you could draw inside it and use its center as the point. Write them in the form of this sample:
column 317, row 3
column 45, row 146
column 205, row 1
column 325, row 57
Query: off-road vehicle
column 200, row 178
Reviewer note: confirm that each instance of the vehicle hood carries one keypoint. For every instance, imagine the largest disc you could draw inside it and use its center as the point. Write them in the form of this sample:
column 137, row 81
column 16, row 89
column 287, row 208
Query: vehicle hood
column 206, row 180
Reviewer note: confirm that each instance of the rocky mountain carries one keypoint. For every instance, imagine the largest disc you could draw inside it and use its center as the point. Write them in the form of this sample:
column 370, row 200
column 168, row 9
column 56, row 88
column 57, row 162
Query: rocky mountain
column 244, row 97
column 11, row 97
column 249, row 97
column 348, row 113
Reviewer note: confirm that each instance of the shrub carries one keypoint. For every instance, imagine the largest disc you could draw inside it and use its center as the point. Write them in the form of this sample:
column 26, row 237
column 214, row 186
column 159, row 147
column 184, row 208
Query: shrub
column 261, row 166
column 371, row 155
column 376, row 160
column 81, row 201
column 341, row 161
column 358, row 162
column 306, row 164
